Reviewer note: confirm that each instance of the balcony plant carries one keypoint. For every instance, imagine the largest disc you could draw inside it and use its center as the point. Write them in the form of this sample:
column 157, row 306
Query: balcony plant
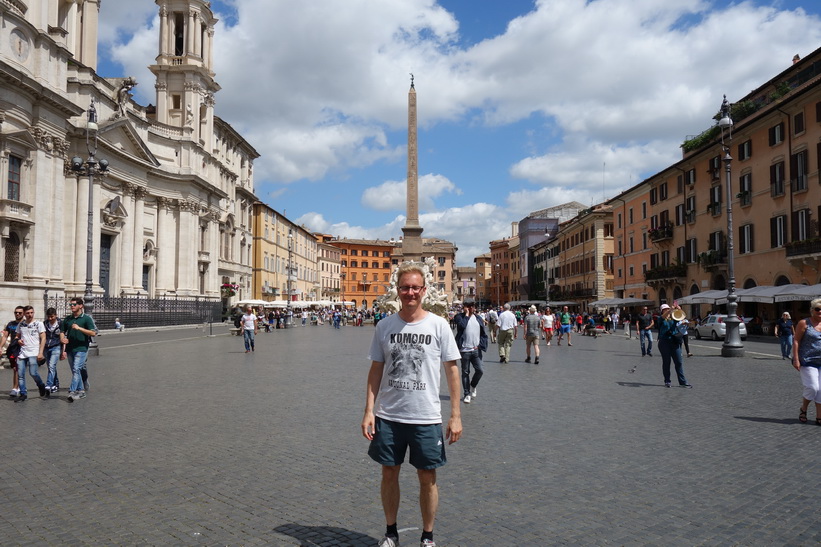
column 229, row 289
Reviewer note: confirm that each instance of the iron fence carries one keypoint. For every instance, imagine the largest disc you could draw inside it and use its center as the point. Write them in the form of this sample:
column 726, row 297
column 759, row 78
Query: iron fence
column 140, row 311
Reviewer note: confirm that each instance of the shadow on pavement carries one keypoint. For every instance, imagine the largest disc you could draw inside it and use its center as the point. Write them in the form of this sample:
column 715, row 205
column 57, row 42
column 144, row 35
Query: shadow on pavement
column 318, row 536
column 769, row 420
column 638, row 384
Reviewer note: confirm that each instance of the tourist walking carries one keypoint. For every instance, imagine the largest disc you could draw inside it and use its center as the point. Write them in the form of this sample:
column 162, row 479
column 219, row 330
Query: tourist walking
column 548, row 320
column 784, row 332
column 670, row 348
column 250, row 326
column 507, row 331
column 55, row 349
column 78, row 328
column 402, row 406
column 32, row 336
column 532, row 327
column 471, row 339
column 10, row 334
column 644, row 326
column 493, row 319
column 806, row 358
column 565, row 326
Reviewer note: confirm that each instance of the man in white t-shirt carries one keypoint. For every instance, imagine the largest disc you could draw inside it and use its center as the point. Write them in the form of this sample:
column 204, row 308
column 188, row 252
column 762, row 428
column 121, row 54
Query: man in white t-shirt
column 507, row 330
column 250, row 327
column 402, row 406
column 32, row 336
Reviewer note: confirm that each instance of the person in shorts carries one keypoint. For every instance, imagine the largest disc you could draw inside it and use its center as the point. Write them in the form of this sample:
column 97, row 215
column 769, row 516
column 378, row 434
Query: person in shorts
column 532, row 323
column 547, row 324
column 402, row 406
column 565, row 326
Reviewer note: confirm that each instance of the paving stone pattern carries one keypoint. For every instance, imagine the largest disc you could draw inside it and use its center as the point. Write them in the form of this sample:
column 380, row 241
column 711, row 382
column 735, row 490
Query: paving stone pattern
column 186, row 440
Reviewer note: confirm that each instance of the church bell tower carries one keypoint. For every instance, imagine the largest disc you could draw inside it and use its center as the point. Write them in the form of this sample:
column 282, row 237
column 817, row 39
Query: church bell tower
column 184, row 68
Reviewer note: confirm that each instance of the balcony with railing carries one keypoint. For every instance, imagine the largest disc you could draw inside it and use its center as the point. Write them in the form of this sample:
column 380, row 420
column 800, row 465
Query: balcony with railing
column 712, row 260
column 804, row 247
column 664, row 274
column 662, row 233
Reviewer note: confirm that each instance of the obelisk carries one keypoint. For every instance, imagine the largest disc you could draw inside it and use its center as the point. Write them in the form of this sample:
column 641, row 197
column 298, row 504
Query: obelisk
column 412, row 240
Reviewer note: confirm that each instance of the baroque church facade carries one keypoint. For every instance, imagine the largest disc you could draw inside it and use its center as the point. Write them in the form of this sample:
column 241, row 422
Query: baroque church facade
column 173, row 214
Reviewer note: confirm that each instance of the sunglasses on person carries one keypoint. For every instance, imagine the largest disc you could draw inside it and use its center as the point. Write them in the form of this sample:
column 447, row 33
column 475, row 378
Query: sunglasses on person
column 817, row 309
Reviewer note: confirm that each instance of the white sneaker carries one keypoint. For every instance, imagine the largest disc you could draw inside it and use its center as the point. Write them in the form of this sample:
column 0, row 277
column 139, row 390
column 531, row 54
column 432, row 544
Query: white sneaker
column 14, row 393
column 389, row 541
column 473, row 392
column 467, row 399
column 548, row 343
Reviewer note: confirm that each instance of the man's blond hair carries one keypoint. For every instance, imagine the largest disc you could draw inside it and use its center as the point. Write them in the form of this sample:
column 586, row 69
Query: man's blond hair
column 411, row 267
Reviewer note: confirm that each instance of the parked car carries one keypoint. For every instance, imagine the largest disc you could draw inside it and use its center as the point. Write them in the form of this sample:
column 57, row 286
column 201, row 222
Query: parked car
column 714, row 327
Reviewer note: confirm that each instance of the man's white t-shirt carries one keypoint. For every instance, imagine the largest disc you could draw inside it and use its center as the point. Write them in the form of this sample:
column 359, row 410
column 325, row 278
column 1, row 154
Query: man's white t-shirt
column 248, row 321
column 507, row 321
column 412, row 354
column 30, row 338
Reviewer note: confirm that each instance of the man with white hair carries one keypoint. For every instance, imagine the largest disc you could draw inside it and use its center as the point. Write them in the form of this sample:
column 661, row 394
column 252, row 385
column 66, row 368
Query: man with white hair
column 507, row 328
column 532, row 322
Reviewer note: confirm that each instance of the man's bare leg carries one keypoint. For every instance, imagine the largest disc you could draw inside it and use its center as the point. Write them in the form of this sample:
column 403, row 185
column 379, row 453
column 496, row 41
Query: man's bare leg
column 428, row 497
column 390, row 492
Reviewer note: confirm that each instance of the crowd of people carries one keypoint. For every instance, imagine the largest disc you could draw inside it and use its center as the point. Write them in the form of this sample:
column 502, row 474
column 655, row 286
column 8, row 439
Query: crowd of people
column 32, row 343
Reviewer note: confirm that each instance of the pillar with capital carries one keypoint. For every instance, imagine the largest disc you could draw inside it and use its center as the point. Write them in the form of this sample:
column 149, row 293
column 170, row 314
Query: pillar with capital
column 166, row 246
column 139, row 194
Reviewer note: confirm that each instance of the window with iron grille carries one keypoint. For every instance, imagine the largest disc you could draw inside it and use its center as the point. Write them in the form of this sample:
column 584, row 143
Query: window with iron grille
column 11, row 267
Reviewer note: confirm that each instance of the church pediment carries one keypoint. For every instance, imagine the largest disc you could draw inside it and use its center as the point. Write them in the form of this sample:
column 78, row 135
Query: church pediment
column 120, row 136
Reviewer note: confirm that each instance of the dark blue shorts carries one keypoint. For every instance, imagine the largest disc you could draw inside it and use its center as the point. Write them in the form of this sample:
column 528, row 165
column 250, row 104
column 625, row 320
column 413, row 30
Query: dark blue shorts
column 391, row 441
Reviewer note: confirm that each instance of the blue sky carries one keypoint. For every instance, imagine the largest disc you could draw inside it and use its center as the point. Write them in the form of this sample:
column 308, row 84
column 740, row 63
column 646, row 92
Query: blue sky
column 522, row 104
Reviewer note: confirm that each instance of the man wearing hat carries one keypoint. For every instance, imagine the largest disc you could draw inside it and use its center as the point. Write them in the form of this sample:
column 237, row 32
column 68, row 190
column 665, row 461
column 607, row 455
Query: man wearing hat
column 670, row 347
column 471, row 337
column 532, row 322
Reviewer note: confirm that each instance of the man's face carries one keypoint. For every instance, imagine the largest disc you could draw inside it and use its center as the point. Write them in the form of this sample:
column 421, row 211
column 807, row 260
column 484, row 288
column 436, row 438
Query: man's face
column 565, row 308
column 76, row 308
column 29, row 315
column 51, row 318
column 470, row 309
column 18, row 314
column 411, row 289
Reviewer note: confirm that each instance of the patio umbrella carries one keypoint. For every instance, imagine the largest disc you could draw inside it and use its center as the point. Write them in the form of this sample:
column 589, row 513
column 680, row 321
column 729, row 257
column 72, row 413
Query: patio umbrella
column 706, row 297
column 763, row 293
column 800, row 292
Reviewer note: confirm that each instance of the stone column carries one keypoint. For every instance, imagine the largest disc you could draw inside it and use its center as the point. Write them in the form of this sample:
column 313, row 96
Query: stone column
column 172, row 30
column 187, row 255
column 197, row 30
column 127, row 234
column 80, row 230
column 137, row 241
column 189, row 32
column 163, row 30
column 166, row 246
column 91, row 16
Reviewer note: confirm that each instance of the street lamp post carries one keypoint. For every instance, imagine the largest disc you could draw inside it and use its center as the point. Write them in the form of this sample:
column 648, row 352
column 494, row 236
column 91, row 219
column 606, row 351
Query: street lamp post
column 288, row 310
column 89, row 168
column 732, row 346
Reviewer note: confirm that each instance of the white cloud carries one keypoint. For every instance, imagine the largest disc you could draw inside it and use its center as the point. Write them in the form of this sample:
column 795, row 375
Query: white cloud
column 316, row 89
column 391, row 195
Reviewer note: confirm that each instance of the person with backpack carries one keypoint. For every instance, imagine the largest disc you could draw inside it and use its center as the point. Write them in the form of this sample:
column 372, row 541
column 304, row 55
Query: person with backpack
column 669, row 346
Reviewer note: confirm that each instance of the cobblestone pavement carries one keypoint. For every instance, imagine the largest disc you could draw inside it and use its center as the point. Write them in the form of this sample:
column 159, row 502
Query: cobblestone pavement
column 186, row 440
